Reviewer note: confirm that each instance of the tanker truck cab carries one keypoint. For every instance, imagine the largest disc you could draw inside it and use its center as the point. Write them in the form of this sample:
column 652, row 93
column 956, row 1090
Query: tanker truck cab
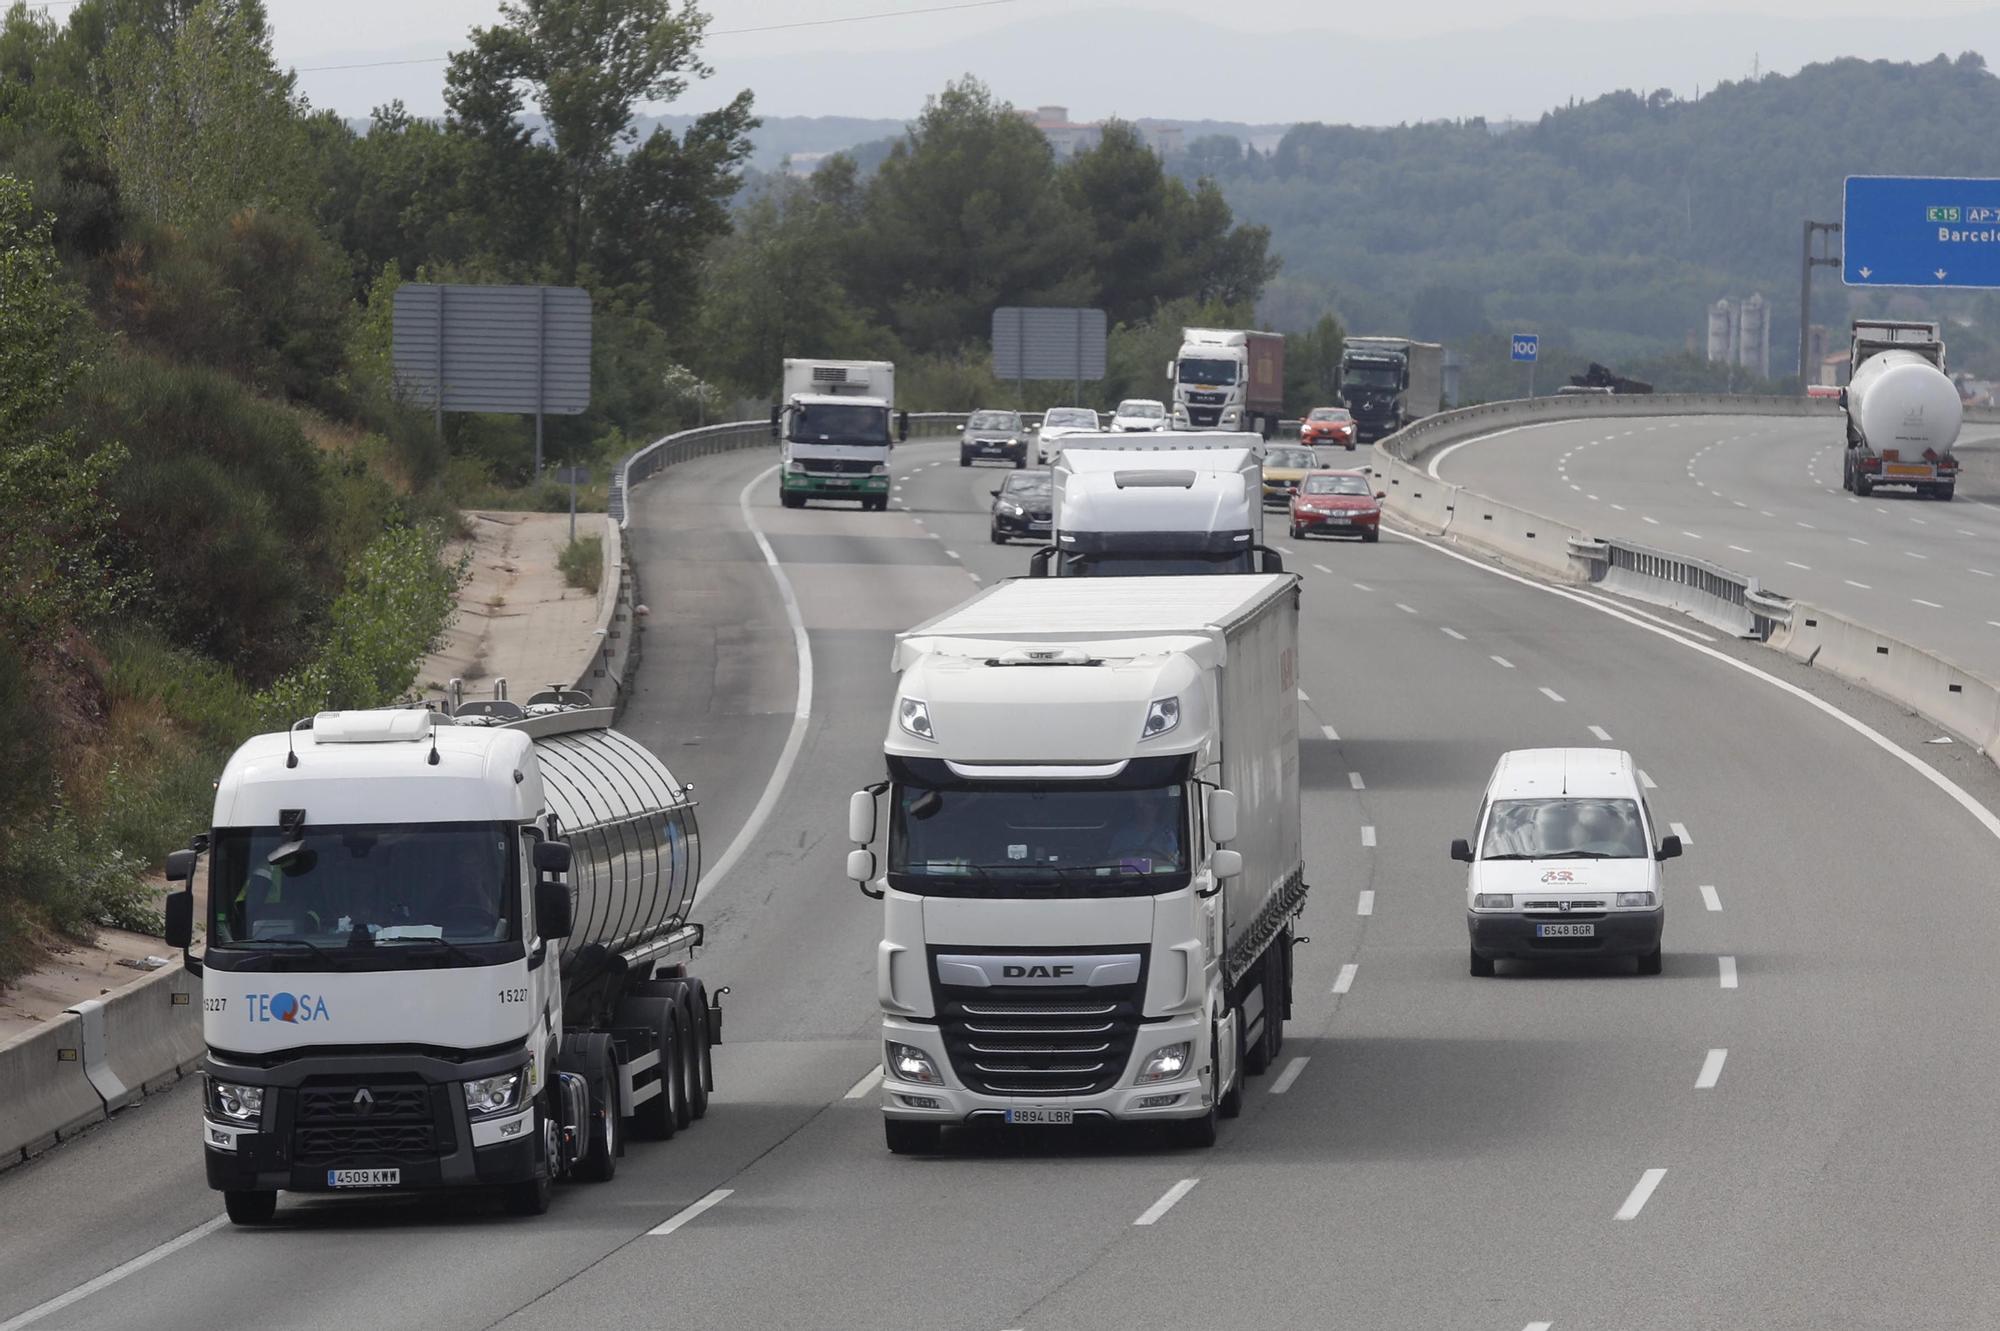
column 1092, row 855
column 390, row 998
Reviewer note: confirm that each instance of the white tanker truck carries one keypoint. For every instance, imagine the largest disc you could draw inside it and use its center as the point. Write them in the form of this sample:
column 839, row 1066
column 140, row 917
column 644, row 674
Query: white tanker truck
column 1903, row 411
column 444, row 952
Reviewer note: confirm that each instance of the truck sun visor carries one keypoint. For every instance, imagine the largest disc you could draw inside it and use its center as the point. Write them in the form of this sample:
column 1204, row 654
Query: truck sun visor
column 1156, row 479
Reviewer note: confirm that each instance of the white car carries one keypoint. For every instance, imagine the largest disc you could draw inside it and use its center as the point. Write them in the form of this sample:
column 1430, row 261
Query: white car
column 1565, row 863
column 1060, row 421
column 1139, row 414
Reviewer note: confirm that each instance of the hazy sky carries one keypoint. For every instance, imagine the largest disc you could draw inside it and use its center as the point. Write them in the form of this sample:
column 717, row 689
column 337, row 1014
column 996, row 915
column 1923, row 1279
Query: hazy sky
column 312, row 34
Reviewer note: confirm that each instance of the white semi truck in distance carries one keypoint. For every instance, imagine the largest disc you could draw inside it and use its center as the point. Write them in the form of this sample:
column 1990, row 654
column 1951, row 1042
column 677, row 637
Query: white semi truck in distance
column 1903, row 411
column 400, row 989
column 1228, row 379
column 1169, row 502
column 1092, row 861
column 834, row 431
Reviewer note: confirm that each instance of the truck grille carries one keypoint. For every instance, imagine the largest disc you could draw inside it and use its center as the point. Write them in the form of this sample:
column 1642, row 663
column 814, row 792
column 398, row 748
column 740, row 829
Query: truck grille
column 838, row 466
column 1040, row 1041
column 1203, row 415
column 367, row 1121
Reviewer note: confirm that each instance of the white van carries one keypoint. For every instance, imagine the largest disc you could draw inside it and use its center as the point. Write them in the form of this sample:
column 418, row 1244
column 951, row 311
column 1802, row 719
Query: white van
column 1566, row 864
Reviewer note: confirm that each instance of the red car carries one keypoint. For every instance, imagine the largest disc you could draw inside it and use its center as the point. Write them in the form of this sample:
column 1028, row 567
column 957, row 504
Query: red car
column 1328, row 425
column 1337, row 503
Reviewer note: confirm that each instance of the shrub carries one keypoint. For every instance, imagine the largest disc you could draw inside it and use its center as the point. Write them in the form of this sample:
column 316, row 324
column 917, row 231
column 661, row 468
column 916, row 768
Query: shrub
column 582, row 563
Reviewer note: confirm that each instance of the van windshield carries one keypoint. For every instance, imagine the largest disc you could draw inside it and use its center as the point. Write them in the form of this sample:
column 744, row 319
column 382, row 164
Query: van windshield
column 1564, row 828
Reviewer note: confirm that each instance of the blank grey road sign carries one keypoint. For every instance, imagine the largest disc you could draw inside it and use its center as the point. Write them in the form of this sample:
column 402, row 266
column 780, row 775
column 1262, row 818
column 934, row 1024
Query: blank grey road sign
column 573, row 475
column 1048, row 342
column 519, row 349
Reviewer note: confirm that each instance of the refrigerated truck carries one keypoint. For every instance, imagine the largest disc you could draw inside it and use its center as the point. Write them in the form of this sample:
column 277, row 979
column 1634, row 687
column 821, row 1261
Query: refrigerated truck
column 1228, row 379
column 444, row 955
column 1167, row 502
column 835, row 431
column 1092, row 861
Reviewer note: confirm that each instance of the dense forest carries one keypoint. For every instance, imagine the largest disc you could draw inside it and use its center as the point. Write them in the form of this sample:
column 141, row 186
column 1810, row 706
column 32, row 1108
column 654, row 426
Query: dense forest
column 1611, row 225
column 216, row 515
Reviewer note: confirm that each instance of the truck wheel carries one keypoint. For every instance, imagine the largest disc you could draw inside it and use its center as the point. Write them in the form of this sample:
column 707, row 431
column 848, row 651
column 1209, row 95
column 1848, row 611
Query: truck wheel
column 1481, row 966
column 791, row 500
column 250, row 1206
column 595, row 1061
column 1863, row 486
column 655, row 1118
column 684, row 1069
column 1228, row 1102
column 907, row 1138
column 1945, row 492
column 701, row 1054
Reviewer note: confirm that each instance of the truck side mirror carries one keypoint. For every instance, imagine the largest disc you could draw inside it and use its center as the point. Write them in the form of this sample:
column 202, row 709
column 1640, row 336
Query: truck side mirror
column 1461, row 850
column 1038, row 562
column 180, row 866
column 902, row 426
column 1272, row 561
column 1222, row 814
column 1670, row 848
column 1226, row 864
column 776, row 412
column 552, row 856
column 179, row 916
column 861, row 818
column 553, row 918
column 861, row 866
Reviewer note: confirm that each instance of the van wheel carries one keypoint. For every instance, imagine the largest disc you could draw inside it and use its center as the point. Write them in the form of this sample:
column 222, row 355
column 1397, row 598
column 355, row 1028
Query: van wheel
column 907, row 1138
column 1481, row 966
column 250, row 1206
column 1650, row 962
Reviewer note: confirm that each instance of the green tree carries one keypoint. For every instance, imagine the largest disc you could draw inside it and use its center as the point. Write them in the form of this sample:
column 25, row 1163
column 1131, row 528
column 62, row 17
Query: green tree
column 1312, row 366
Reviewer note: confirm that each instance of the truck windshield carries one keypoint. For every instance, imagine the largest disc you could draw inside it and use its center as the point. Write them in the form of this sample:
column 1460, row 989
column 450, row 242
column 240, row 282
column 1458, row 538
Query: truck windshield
column 1564, row 828
column 1372, row 376
column 1010, row 839
column 379, row 890
column 1214, row 373
column 1140, row 565
column 831, row 423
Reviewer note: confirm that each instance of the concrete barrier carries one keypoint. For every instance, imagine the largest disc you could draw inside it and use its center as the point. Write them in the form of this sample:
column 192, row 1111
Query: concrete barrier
column 143, row 1037
column 45, row 1094
column 1925, row 683
column 611, row 663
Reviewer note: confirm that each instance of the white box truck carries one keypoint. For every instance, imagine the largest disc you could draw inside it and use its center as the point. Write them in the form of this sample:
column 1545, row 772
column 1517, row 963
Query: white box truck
column 834, row 431
column 1228, row 379
column 400, row 989
column 1092, row 863
column 1172, row 502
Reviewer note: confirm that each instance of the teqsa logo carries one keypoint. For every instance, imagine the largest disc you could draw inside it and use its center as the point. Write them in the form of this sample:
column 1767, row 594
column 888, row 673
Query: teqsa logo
column 1012, row 971
column 286, row 1007
column 1559, row 876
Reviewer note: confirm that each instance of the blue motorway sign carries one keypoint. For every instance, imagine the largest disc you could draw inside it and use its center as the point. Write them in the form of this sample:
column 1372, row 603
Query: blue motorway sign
column 1527, row 346
column 1920, row 231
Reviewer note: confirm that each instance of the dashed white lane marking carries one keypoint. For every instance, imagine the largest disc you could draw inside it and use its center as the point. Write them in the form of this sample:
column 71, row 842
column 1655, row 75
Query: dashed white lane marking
column 1363, row 587
column 1365, row 903
column 951, row 554
column 1152, row 1214
column 1680, row 830
column 1793, row 563
column 1980, row 571
column 1282, row 549
column 1329, row 732
column 1921, row 522
column 1302, row 696
column 1711, row 1070
column 1740, row 549
column 1551, row 694
column 1654, row 521
column 1695, row 534
column 1453, row 634
column 1636, row 1201
column 1862, row 585
column 1932, row 604
column 115, row 1274
column 865, row 1085
column 1709, row 898
column 1726, row 971
column 1354, row 781
column 1322, row 568
column 1766, row 513
column 1601, row 733
column 1345, row 980
column 1503, row 663
column 1538, row 1326
column 1406, row 609
column 683, row 1217
column 1647, row 781
column 1289, row 1075
column 1592, row 498
column 1619, row 507
column 1914, row 555
column 1857, row 540
column 1368, row 834
column 1807, row 525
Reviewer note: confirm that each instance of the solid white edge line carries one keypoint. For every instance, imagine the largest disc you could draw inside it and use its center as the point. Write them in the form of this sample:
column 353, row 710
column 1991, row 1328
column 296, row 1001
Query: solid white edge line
column 1289, row 1075
column 114, row 1275
column 681, row 1217
column 1725, row 969
column 1449, row 449
column 868, row 1082
column 1365, row 903
column 1636, row 1201
column 1709, row 898
column 801, row 709
column 1345, row 980
column 1686, row 630
column 1166, row 1203
column 1711, row 1070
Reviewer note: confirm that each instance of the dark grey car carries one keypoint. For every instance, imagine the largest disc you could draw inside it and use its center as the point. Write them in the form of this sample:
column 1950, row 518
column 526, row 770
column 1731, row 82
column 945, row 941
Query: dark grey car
column 994, row 434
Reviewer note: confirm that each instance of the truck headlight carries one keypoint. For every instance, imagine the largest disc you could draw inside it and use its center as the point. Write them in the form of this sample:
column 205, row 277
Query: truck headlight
column 233, row 1103
column 915, row 716
column 1166, row 1063
column 879, row 469
column 1635, row 898
column 487, row 1096
column 1493, row 901
column 795, row 467
column 1162, row 715
column 908, row 1063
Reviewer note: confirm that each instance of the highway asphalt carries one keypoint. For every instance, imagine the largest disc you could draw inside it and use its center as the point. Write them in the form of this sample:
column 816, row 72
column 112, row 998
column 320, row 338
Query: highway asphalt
column 1810, row 1073
column 1761, row 495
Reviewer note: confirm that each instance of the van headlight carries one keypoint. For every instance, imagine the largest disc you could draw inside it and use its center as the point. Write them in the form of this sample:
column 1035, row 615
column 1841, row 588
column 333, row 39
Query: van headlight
column 1166, row 1063
column 487, row 1096
column 1493, row 901
column 1635, row 899
column 231, row 1102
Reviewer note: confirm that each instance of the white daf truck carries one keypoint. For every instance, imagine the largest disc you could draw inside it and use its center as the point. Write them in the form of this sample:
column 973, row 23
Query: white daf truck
column 1092, row 863
column 835, row 432
column 400, row 989
column 1181, row 502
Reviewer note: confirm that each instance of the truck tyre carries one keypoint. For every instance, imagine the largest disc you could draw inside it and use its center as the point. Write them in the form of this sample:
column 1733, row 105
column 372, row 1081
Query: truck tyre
column 907, row 1138
column 1863, row 486
column 1945, row 492
column 595, row 1061
column 655, row 1118
column 700, row 1053
column 684, row 1069
column 791, row 499
column 1481, row 966
column 1650, row 962
column 250, row 1206
column 1228, row 1102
